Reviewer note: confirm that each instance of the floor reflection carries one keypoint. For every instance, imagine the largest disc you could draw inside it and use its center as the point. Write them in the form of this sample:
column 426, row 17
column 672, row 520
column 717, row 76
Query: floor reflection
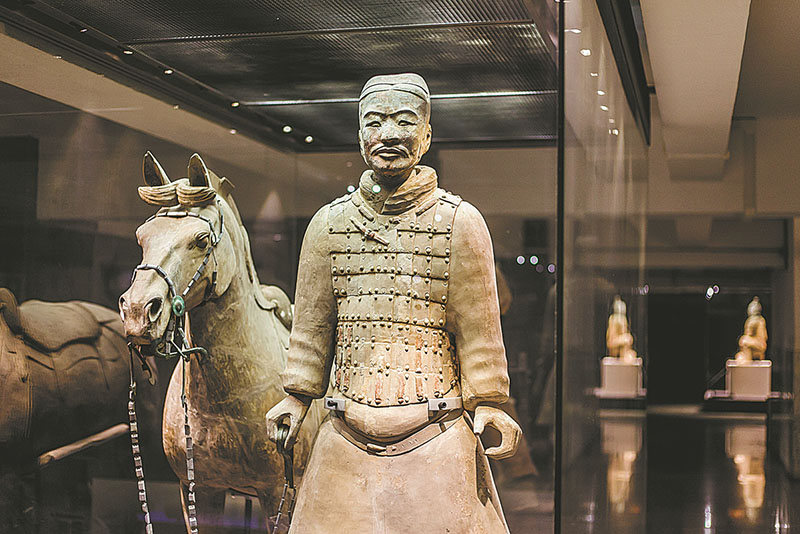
column 622, row 442
column 715, row 474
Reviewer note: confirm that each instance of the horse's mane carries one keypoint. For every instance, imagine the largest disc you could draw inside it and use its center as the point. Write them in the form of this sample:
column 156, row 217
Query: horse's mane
column 182, row 193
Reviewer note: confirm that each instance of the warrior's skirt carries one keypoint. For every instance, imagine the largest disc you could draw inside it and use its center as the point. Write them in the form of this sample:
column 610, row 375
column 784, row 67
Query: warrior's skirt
column 443, row 486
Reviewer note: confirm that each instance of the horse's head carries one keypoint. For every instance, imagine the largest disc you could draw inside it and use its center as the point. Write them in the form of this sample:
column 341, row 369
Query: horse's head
column 192, row 249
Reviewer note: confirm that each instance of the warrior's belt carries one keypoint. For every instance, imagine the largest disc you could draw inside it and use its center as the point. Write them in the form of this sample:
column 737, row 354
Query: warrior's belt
column 432, row 429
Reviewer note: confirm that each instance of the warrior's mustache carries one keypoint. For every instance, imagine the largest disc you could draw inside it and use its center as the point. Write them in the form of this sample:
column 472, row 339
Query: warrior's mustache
column 383, row 149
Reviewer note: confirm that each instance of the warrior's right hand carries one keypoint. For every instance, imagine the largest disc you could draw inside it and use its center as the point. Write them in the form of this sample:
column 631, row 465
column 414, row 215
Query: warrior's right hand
column 291, row 410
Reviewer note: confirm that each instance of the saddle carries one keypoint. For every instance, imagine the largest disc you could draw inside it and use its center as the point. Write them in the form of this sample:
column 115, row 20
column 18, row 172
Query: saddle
column 51, row 325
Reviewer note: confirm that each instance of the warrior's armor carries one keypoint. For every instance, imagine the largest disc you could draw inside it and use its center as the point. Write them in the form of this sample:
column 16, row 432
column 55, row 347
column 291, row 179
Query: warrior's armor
column 390, row 280
column 404, row 322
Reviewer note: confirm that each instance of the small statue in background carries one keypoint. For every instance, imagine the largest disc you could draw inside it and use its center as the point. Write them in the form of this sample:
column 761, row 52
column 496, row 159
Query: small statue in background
column 619, row 340
column 753, row 341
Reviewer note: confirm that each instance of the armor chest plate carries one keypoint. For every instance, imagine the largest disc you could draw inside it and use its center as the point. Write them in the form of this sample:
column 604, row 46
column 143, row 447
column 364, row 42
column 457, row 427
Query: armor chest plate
column 390, row 280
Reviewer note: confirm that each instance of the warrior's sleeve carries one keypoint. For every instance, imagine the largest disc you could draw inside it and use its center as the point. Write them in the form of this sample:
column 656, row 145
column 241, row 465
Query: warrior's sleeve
column 312, row 339
column 473, row 311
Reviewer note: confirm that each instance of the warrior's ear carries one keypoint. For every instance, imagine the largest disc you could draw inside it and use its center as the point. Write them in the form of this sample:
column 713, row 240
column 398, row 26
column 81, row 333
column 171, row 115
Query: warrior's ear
column 154, row 174
column 198, row 172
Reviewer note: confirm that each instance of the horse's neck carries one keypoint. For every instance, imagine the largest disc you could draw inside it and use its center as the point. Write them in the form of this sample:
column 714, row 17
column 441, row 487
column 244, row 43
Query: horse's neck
column 232, row 329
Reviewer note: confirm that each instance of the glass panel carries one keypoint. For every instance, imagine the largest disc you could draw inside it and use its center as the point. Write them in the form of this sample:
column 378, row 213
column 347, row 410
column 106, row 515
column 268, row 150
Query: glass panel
column 605, row 180
column 75, row 193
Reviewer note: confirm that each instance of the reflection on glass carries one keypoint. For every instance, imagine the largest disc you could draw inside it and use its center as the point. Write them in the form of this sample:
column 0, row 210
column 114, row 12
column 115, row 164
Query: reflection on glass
column 622, row 441
column 746, row 445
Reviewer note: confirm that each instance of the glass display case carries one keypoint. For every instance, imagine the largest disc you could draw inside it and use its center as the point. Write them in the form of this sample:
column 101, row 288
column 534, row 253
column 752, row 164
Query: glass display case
column 531, row 125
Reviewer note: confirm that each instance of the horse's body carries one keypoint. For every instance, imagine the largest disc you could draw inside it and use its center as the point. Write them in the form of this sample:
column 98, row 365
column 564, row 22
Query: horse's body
column 243, row 325
column 64, row 374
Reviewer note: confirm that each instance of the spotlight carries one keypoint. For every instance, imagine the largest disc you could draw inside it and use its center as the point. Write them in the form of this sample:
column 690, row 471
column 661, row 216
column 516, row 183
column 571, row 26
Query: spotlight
column 585, row 52
column 235, row 104
column 168, row 71
column 309, row 139
column 287, row 129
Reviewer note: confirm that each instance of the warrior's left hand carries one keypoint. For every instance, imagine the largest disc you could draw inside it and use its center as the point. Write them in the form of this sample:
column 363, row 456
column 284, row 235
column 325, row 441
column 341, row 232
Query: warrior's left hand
column 509, row 430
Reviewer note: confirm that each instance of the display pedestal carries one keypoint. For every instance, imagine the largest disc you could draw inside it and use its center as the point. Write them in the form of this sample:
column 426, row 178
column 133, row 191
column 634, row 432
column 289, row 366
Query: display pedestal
column 620, row 379
column 621, row 383
column 748, row 387
column 748, row 380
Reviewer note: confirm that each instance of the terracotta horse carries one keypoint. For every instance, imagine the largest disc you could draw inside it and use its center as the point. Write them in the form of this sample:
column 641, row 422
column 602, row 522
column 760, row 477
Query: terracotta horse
column 64, row 374
column 243, row 325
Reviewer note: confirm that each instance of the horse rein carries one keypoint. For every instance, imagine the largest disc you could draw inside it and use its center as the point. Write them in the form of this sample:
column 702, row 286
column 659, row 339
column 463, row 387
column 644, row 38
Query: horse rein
column 172, row 347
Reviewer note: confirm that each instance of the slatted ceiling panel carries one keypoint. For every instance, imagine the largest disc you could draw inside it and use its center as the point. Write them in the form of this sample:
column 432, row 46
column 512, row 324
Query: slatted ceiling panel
column 336, row 65
column 130, row 20
column 331, row 125
column 280, row 50
column 494, row 119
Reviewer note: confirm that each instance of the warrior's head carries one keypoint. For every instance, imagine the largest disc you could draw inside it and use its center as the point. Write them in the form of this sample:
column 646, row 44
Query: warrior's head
column 754, row 308
column 394, row 125
column 619, row 307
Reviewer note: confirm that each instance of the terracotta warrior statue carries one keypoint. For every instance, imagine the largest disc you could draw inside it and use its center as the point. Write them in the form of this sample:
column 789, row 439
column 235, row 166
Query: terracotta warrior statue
column 397, row 307
column 753, row 341
column 619, row 340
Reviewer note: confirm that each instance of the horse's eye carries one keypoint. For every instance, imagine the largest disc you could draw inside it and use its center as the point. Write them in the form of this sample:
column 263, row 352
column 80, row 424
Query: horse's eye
column 201, row 241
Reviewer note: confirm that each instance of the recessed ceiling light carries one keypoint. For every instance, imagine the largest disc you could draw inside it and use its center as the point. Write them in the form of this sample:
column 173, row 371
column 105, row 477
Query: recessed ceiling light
column 168, row 71
column 611, row 121
column 593, row 74
column 176, row 106
column 84, row 30
column 234, row 104
column 574, row 30
column 601, row 92
column 604, row 108
column 351, row 188
column 57, row 57
column 615, row 131
column 309, row 139
column 586, row 52
column 287, row 129
column 232, row 131
column 128, row 52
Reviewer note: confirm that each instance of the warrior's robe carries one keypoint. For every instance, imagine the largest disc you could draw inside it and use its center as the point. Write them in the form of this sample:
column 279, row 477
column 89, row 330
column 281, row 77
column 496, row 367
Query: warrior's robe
column 396, row 305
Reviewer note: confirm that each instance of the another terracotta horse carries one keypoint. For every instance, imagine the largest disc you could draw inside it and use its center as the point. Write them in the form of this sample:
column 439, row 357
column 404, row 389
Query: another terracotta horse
column 242, row 324
column 64, row 374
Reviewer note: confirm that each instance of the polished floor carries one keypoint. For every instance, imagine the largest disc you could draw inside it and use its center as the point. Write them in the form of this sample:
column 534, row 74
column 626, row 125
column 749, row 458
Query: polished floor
column 677, row 470
column 715, row 475
column 672, row 470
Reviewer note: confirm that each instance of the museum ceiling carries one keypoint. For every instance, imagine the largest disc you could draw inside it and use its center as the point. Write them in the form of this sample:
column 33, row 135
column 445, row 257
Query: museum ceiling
column 265, row 66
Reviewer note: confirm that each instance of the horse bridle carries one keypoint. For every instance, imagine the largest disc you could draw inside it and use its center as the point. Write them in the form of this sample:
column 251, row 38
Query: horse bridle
column 177, row 301
column 175, row 343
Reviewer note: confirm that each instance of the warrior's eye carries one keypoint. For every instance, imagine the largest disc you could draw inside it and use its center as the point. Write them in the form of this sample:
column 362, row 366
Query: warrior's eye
column 406, row 123
column 373, row 124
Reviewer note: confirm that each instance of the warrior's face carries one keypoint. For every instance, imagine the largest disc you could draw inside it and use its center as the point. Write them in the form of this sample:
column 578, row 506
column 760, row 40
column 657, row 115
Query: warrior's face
column 394, row 133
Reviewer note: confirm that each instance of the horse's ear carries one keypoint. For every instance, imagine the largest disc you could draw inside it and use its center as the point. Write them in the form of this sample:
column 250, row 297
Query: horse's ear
column 154, row 174
column 198, row 172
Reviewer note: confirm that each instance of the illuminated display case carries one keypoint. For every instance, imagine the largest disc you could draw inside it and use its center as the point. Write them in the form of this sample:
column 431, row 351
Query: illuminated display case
column 532, row 123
